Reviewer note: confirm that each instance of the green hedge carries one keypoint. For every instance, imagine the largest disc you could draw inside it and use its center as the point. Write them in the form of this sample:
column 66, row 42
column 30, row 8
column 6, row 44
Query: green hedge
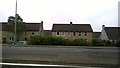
column 48, row 40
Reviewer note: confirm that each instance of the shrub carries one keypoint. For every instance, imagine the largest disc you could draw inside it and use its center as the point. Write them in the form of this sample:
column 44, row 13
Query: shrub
column 79, row 42
column 99, row 42
column 117, row 43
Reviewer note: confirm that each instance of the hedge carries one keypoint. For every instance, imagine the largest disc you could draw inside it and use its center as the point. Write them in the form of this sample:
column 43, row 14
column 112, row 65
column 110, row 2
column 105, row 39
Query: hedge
column 48, row 40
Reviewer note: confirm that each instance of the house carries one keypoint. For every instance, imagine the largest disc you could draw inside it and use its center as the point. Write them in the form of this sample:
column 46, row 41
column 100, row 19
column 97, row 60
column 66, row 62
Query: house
column 73, row 31
column 31, row 29
column 110, row 33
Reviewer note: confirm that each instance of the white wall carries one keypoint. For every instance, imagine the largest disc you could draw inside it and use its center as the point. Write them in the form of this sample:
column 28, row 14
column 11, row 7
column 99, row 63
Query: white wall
column 103, row 34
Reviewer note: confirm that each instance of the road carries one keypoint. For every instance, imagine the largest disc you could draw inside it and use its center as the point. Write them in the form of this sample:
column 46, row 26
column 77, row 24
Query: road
column 63, row 55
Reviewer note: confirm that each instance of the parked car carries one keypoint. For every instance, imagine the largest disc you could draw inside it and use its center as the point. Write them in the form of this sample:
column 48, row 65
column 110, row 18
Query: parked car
column 21, row 43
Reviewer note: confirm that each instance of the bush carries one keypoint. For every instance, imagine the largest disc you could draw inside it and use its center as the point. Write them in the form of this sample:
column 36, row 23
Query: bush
column 99, row 42
column 79, row 42
column 117, row 43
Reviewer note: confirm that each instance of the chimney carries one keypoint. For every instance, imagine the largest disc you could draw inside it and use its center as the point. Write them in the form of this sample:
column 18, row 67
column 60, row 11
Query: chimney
column 41, row 29
column 103, row 26
column 70, row 23
column 42, row 22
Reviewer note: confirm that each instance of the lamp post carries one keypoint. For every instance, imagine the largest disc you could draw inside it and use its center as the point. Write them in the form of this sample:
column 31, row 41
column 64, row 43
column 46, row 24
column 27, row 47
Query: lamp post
column 15, row 23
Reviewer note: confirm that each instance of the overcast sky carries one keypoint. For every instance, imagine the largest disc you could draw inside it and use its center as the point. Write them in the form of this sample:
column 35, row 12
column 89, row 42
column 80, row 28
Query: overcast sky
column 94, row 12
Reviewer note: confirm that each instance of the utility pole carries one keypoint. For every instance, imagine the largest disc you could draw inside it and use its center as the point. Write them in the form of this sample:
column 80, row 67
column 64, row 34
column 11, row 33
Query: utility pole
column 15, row 23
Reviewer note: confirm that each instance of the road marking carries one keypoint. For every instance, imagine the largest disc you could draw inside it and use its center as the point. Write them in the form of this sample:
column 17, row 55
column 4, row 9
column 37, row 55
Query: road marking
column 45, row 65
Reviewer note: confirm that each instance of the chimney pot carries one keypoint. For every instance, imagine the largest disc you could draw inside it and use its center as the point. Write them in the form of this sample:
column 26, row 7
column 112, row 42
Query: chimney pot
column 70, row 23
column 41, row 21
column 103, row 26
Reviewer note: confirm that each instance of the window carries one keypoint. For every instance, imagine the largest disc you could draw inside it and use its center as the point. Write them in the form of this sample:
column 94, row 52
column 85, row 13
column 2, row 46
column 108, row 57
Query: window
column 33, row 33
column 74, row 33
column 25, row 39
column 57, row 33
column 41, row 31
column 85, row 39
column 79, row 33
column 85, row 33
column 10, row 38
column 4, row 40
column 25, row 33
column 113, row 41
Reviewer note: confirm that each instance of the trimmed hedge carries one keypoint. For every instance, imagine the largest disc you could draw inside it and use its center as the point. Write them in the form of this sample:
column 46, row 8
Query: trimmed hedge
column 48, row 40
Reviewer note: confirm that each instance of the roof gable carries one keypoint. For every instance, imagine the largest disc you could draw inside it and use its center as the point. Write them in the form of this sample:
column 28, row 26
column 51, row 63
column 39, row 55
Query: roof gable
column 72, row 27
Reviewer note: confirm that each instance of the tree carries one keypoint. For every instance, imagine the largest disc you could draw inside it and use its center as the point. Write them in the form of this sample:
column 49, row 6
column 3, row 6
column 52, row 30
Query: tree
column 20, row 25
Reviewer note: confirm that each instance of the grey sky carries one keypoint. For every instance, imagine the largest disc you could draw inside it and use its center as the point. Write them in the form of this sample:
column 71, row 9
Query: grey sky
column 94, row 12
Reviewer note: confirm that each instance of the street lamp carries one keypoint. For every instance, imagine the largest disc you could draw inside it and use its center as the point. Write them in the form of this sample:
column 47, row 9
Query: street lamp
column 15, row 23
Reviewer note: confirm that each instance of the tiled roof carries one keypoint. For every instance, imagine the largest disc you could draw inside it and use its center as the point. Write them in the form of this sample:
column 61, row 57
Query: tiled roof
column 113, row 32
column 72, row 27
column 29, row 26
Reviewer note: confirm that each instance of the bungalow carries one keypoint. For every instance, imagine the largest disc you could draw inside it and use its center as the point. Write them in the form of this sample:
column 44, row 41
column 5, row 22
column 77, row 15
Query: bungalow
column 73, row 31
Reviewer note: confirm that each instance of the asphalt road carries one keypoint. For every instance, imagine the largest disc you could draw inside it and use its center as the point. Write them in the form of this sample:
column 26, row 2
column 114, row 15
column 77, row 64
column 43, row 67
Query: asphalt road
column 78, row 55
column 94, row 51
